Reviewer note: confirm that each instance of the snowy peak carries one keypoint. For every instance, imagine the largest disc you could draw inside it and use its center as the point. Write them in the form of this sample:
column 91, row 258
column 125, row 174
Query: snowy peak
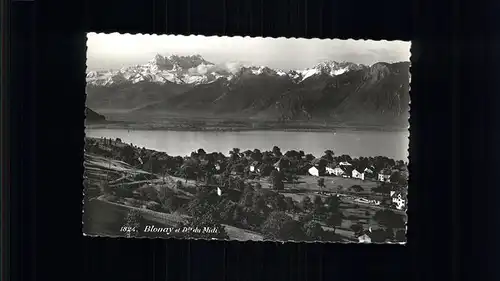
column 161, row 69
column 195, row 70
column 330, row 68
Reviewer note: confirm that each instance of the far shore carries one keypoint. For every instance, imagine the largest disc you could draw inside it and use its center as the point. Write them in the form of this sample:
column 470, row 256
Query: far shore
column 228, row 128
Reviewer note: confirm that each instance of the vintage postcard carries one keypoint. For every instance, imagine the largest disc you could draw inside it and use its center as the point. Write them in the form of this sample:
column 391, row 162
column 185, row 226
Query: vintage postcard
column 239, row 138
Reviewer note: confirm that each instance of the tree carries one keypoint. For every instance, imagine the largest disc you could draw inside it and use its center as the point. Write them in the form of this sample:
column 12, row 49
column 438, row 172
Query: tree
column 278, row 202
column 128, row 154
column 313, row 230
column 328, row 155
column 172, row 203
column 389, row 219
column 259, row 204
column 293, row 154
column 320, row 212
column 234, row 154
column 321, row 183
column 400, row 235
column 344, row 158
column 383, row 188
column 266, row 158
column 381, row 235
column 201, row 152
column 256, row 155
column 203, row 203
column 252, row 219
column 163, row 193
column 290, row 206
column 276, row 179
column 333, row 203
column 301, row 154
column 358, row 229
column 247, row 197
column 318, row 201
column 277, row 152
column 280, row 226
column 239, row 167
column 357, row 188
column 309, row 157
column 334, row 220
column 189, row 170
column 306, row 203
column 397, row 177
column 227, row 208
column 238, row 215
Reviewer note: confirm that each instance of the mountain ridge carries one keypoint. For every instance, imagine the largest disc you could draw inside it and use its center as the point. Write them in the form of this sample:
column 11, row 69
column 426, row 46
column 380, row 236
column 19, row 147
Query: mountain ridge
column 341, row 92
column 92, row 116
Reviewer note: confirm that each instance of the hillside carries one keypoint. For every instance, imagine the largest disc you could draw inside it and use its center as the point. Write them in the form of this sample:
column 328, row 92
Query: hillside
column 92, row 116
column 376, row 95
column 342, row 93
column 129, row 96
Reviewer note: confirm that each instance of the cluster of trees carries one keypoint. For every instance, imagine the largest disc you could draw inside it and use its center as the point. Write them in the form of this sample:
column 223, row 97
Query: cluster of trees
column 201, row 165
column 248, row 206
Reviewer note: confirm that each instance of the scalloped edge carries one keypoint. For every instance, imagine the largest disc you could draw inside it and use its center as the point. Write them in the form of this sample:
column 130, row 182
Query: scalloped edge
column 411, row 59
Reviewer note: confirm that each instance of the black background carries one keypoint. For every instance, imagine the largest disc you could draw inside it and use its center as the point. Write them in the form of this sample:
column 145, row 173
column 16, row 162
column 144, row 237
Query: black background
column 453, row 136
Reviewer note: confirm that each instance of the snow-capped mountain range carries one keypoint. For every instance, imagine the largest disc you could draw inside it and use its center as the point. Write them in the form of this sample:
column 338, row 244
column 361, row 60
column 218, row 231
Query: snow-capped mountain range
column 191, row 86
column 195, row 70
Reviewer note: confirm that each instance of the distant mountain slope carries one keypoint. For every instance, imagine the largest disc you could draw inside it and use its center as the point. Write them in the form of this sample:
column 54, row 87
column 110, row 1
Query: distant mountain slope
column 128, row 96
column 92, row 116
column 378, row 95
column 328, row 92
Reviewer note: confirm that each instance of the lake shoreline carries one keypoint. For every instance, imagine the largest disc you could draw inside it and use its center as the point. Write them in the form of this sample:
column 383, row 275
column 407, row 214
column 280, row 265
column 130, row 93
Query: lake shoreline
column 167, row 127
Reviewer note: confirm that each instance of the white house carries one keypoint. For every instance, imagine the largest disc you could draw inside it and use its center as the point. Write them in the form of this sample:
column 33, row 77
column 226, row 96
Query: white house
column 345, row 164
column 313, row 171
column 398, row 200
column 368, row 171
column 253, row 166
column 384, row 176
column 357, row 175
column 364, row 239
column 329, row 170
column 335, row 171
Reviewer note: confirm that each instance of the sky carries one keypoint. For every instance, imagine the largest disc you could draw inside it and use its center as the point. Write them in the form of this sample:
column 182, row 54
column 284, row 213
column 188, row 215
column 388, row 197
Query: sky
column 114, row 50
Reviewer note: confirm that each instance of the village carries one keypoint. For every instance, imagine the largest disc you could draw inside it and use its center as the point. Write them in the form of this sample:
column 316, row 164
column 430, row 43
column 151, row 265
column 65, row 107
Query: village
column 261, row 193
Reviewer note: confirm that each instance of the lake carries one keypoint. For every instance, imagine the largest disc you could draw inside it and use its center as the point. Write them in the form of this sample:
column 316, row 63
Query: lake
column 353, row 143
